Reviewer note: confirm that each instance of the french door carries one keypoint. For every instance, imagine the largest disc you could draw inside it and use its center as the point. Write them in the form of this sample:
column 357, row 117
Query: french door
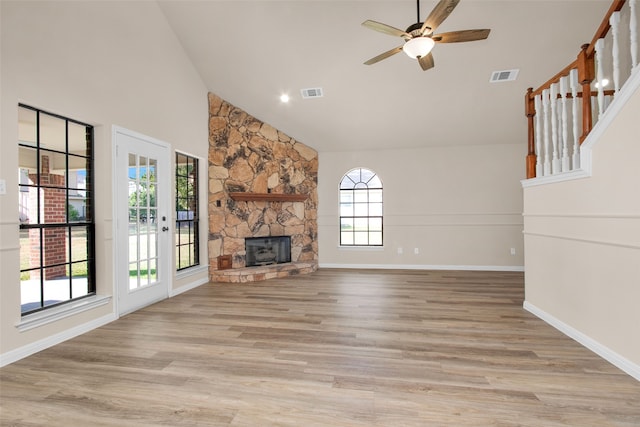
column 142, row 243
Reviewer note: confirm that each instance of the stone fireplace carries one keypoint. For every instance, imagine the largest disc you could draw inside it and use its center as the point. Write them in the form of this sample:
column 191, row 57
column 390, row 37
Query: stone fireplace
column 262, row 183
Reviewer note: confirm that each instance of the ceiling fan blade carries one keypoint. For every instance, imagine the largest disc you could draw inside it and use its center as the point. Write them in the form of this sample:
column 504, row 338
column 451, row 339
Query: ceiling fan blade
column 386, row 29
column 426, row 62
column 384, row 55
column 437, row 15
column 461, row 36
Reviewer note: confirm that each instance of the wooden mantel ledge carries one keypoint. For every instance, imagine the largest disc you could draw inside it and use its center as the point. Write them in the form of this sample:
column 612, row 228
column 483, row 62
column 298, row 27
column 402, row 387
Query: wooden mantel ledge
column 267, row 197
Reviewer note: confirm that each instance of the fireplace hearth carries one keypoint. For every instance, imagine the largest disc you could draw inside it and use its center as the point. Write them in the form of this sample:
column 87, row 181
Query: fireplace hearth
column 267, row 250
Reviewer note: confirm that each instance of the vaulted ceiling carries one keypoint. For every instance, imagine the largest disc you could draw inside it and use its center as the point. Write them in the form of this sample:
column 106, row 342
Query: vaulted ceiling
column 249, row 52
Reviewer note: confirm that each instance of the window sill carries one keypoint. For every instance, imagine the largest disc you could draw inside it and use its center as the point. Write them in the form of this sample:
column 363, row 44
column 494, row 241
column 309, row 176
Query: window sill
column 361, row 248
column 51, row 315
column 192, row 270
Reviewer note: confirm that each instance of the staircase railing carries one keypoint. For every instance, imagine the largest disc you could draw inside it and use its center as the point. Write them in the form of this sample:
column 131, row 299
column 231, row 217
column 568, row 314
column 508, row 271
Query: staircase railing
column 559, row 114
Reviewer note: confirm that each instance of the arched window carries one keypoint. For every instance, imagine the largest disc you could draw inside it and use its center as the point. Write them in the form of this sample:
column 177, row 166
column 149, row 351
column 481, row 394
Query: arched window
column 360, row 208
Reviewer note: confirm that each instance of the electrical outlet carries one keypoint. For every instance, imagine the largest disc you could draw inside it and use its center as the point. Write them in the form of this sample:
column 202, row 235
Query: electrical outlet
column 416, row 251
column 513, row 251
column 3, row 186
column 399, row 251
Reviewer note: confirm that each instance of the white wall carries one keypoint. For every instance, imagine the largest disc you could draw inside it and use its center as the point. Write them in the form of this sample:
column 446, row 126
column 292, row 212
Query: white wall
column 582, row 245
column 460, row 206
column 105, row 63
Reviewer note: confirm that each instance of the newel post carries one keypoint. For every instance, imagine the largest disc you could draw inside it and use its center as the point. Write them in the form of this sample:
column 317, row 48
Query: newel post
column 530, row 112
column 586, row 71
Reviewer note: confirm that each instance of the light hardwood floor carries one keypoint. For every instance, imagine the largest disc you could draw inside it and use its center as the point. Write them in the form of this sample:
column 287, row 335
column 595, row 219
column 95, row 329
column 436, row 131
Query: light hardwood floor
column 334, row 348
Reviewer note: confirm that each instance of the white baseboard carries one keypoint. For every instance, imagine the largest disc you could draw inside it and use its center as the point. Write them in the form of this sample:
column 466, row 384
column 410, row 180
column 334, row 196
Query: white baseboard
column 188, row 287
column 606, row 353
column 425, row 267
column 32, row 348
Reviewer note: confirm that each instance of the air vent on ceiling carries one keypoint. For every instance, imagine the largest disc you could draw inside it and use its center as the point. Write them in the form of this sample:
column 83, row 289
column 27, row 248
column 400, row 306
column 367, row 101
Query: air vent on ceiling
column 315, row 92
column 503, row 76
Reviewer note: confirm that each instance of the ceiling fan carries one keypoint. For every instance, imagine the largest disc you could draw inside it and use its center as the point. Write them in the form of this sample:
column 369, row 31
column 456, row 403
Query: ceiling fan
column 419, row 37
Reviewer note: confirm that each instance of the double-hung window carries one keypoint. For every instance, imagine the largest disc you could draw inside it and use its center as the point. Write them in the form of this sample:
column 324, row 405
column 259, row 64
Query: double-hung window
column 187, row 219
column 55, row 207
column 360, row 208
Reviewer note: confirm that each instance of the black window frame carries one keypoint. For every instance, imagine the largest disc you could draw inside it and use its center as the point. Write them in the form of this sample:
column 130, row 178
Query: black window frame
column 192, row 225
column 362, row 186
column 87, row 221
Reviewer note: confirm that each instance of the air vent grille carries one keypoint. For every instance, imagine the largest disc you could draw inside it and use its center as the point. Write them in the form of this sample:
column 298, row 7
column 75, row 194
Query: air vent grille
column 503, row 76
column 314, row 92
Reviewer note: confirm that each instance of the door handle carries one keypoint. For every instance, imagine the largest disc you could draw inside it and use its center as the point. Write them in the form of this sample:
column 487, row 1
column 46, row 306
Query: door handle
column 165, row 228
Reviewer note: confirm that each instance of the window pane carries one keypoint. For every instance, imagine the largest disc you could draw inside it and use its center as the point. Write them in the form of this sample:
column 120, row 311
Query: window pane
column 153, row 271
column 52, row 133
column 354, row 176
column 375, row 196
column 361, row 196
column 30, row 293
column 53, row 169
column 361, row 224
column 346, row 196
column 144, row 273
column 78, row 139
column 153, row 165
column 346, row 183
column 361, row 238
column 375, row 238
column 78, row 206
column 79, row 279
column 55, row 250
column 375, row 209
column 375, row 224
column 133, row 275
column 28, row 205
column 77, row 177
column 152, row 193
column 184, row 253
column 361, row 209
column 366, row 175
column 133, row 171
column 25, row 249
column 346, row 224
column 346, row 238
column 55, row 290
column 27, row 126
column 27, row 161
column 346, row 210
column 134, row 242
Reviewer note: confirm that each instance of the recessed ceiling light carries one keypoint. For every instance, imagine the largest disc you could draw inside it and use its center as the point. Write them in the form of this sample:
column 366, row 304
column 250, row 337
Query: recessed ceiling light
column 284, row 98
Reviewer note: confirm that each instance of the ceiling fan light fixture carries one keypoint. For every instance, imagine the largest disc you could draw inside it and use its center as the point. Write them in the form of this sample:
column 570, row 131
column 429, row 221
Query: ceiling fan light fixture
column 418, row 47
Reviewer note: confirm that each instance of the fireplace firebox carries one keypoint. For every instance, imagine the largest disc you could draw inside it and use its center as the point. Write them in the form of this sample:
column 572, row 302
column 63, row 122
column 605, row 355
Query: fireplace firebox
column 267, row 250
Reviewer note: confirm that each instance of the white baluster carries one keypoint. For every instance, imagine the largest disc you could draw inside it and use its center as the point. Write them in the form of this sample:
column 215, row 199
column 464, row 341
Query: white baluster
column 539, row 114
column 600, row 75
column 573, row 82
column 547, row 147
column 633, row 26
column 555, row 162
column 563, row 122
column 614, row 21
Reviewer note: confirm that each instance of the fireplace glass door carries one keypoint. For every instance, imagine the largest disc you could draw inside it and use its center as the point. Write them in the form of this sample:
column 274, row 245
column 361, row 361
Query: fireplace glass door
column 267, row 250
